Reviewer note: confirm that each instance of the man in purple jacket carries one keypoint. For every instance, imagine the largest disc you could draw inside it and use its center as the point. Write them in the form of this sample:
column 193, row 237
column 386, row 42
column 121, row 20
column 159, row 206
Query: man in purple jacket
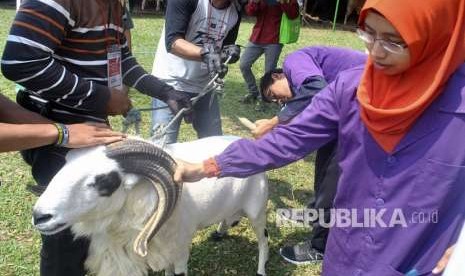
column 305, row 72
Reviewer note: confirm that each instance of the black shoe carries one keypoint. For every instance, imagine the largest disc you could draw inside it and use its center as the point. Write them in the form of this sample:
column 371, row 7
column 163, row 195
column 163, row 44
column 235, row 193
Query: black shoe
column 249, row 98
column 301, row 253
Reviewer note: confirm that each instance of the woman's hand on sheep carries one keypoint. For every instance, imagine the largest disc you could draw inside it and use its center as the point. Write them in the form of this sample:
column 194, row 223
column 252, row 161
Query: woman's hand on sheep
column 188, row 172
column 91, row 134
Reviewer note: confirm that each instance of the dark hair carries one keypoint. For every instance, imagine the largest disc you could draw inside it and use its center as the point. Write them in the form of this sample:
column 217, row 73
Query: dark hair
column 266, row 81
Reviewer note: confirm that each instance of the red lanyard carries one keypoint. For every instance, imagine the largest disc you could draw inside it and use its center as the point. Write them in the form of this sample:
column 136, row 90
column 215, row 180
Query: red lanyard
column 107, row 20
column 215, row 42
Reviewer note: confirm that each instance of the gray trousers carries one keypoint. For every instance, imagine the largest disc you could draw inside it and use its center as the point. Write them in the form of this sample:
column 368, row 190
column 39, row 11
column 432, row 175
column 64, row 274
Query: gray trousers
column 251, row 53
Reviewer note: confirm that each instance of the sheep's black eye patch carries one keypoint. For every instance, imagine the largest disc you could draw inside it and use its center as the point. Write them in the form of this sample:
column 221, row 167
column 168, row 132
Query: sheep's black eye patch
column 106, row 184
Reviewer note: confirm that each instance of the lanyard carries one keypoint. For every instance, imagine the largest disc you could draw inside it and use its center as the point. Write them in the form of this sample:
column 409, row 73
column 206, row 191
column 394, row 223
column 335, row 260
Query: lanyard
column 114, row 70
column 215, row 42
column 107, row 20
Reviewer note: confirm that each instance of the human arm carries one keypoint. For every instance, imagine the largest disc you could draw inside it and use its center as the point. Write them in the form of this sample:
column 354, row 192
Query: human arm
column 264, row 126
column 22, row 129
column 314, row 127
column 15, row 137
column 442, row 264
column 302, row 98
column 178, row 14
column 230, row 49
column 134, row 75
column 451, row 263
column 30, row 59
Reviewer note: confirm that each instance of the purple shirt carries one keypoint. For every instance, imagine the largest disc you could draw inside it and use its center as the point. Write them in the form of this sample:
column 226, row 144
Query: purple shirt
column 308, row 64
column 322, row 61
column 425, row 173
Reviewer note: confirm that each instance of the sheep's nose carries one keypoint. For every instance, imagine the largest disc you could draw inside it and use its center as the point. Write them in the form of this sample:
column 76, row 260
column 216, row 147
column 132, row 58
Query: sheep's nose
column 40, row 218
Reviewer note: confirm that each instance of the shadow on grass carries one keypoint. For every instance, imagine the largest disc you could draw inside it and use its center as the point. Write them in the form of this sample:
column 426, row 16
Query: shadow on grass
column 280, row 189
column 237, row 255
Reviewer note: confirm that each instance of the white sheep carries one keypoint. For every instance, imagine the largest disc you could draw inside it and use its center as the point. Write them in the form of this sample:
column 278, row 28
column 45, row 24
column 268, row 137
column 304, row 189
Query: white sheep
column 123, row 195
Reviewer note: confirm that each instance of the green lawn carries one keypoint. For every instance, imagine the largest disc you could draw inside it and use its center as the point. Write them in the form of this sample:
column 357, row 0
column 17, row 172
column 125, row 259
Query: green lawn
column 238, row 255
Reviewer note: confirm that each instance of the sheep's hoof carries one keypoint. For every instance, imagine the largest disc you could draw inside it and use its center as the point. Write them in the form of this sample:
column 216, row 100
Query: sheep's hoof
column 258, row 274
column 217, row 236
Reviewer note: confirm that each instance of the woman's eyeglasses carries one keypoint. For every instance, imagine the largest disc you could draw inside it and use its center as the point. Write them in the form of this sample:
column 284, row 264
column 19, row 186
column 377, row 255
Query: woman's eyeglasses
column 392, row 47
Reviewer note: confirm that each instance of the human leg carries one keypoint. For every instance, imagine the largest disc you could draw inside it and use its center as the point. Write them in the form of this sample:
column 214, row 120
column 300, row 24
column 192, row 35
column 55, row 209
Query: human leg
column 326, row 178
column 251, row 53
column 61, row 254
column 207, row 119
column 272, row 53
column 160, row 118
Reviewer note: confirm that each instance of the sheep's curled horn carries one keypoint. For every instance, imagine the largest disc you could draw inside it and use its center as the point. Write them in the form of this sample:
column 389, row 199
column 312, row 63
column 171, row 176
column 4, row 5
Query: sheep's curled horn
column 149, row 161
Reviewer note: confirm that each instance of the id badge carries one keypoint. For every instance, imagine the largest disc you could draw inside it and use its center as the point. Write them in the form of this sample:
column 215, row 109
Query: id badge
column 115, row 79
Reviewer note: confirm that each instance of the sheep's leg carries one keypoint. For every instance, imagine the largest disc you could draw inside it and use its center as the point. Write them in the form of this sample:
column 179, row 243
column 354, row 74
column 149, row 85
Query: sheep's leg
column 220, row 232
column 180, row 265
column 223, row 227
column 259, row 226
column 169, row 271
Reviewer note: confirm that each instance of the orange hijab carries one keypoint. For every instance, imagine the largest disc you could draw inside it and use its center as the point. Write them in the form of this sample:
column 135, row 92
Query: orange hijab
column 434, row 31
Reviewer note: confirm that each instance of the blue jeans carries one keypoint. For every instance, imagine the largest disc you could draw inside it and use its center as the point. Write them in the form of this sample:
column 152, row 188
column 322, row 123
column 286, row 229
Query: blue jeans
column 251, row 53
column 206, row 119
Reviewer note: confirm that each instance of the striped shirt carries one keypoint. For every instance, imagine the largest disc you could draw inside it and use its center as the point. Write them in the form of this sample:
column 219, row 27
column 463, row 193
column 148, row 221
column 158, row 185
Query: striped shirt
column 57, row 50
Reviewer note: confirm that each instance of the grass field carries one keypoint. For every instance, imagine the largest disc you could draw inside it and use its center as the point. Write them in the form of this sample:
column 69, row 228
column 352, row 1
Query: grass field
column 237, row 255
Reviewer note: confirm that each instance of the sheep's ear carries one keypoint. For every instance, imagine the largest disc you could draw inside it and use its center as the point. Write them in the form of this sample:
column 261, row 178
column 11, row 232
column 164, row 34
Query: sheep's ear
column 107, row 183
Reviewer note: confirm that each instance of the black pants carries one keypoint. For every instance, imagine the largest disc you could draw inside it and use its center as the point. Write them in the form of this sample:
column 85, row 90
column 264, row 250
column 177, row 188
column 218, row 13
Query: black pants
column 61, row 255
column 326, row 177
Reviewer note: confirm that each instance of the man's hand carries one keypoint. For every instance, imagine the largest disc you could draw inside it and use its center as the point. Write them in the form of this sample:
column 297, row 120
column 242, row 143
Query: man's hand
column 441, row 265
column 233, row 51
column 212, row 58
column 188, row 172
column 263, row 127
column 176, row 100
column 119, row 103
column 86, row 135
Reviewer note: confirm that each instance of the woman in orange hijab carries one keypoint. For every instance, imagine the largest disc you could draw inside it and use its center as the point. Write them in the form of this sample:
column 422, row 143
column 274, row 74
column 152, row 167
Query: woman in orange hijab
column 397, row 88
column 400, row 124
